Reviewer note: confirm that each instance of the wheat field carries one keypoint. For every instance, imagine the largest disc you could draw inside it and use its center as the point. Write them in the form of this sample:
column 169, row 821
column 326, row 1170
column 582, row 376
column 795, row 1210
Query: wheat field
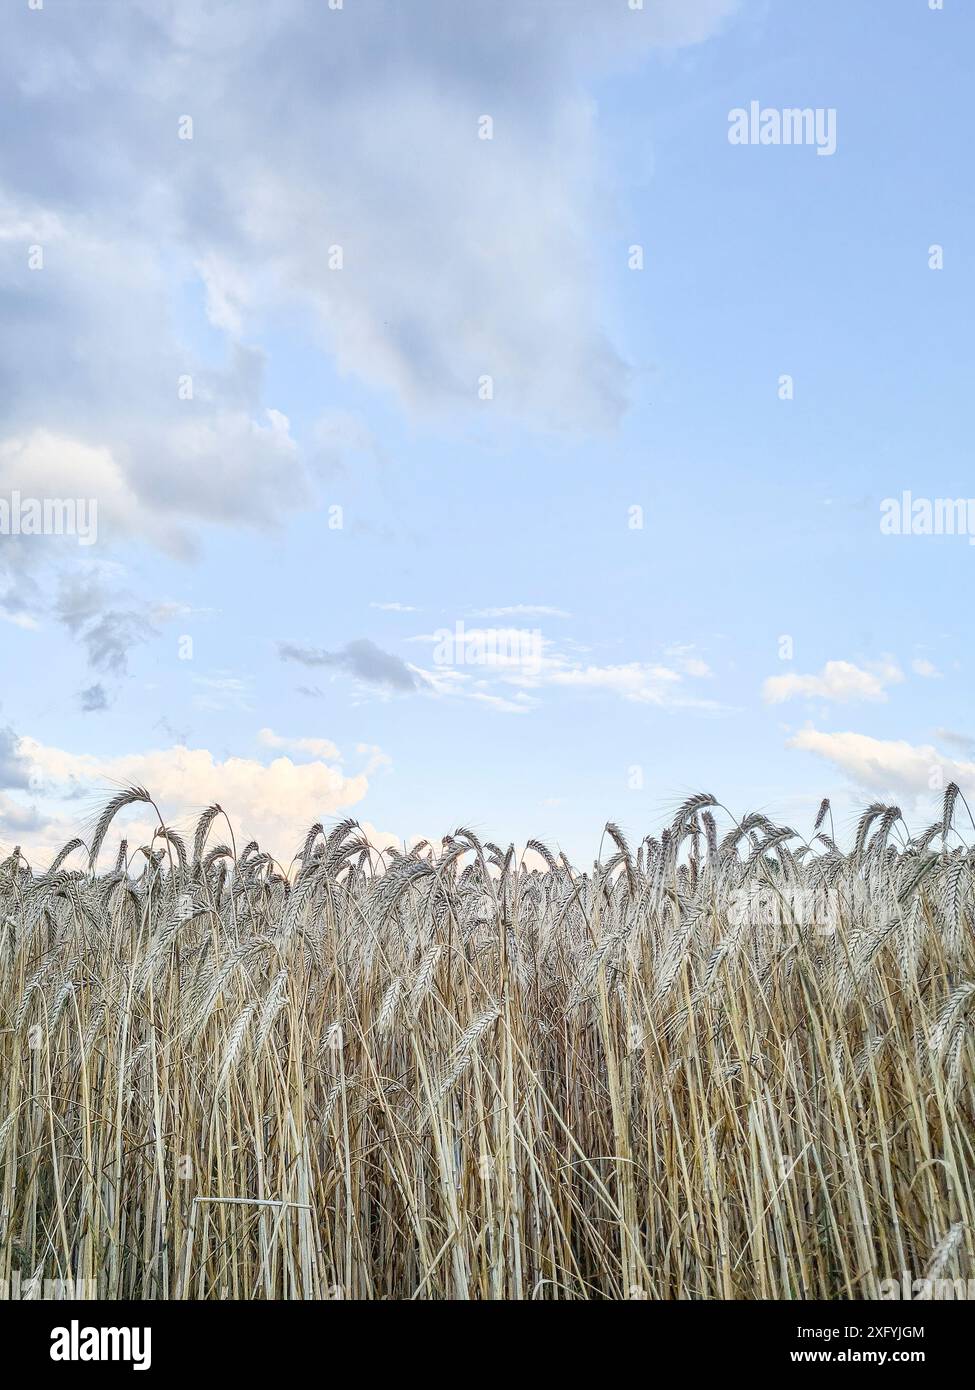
column 732, row 1066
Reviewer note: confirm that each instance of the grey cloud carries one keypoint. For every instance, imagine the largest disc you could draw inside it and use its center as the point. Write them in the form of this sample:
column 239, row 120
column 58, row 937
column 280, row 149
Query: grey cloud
column 18, row 820
column 21, row 595
column 108, row 620
column 312, row 128
column 963, row 742
column 362, row 659
column 80, row 598
column 110, row 639
column 94, row 699
column 181, row 736
column 86, row 605
column 14, row 770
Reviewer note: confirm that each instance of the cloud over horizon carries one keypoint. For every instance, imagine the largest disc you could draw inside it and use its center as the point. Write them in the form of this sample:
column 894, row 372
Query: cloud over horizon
column 273, row 802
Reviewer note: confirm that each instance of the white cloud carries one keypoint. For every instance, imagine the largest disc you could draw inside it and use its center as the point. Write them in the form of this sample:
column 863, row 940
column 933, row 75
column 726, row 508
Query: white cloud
column 640, row 681
column 394, row 607
column 521, row 704
column 22, row 620
column 523, row 610
column 525, row 658
column 376, row 757
column 841, row 681
column 686, row 658
column 227, row 293
column 887, row 764
column 922, row 667
column 223, row 691
column 633, row 680
column 314, row 747
column 43, row 464
column 694, row 666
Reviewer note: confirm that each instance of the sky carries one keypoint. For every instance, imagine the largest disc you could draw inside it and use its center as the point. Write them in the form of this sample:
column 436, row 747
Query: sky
column 463, row 426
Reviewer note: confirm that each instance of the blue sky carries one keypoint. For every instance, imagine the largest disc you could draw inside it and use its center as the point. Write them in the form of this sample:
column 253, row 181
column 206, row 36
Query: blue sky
column 650, row 661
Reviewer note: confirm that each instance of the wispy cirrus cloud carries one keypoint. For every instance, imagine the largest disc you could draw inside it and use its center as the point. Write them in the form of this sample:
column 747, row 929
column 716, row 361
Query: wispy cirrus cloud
column 222, row 690
column 481, row 662
column 523, row 610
